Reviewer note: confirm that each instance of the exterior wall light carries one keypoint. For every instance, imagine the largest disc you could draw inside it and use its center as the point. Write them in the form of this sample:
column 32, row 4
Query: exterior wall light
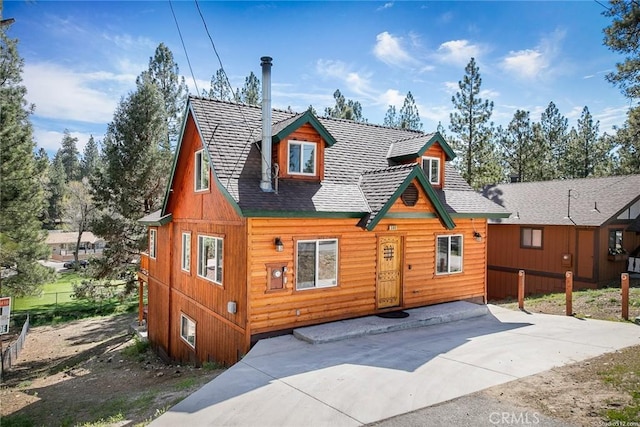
column 477, row 236
column 279, row 245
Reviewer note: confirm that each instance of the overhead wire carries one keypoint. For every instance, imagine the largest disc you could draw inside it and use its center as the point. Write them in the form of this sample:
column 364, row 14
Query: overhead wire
column 195, row 83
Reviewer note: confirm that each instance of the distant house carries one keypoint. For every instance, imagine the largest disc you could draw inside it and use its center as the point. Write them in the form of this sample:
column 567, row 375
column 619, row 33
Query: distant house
column 588, row 226
column 275, row 220
column 63, row 245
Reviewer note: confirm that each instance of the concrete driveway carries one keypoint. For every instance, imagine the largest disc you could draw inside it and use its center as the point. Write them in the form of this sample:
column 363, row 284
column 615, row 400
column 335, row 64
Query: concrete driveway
column 284, row 381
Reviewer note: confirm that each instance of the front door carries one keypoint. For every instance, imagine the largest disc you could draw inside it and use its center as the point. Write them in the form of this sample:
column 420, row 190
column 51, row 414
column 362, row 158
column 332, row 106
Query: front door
column 389, row 271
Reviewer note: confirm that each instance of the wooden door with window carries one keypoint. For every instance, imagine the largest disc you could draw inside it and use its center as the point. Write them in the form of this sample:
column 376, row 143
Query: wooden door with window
column 389, row 287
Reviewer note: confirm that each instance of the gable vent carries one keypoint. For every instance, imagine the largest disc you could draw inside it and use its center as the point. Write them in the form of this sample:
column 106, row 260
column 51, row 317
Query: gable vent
column 410, row 195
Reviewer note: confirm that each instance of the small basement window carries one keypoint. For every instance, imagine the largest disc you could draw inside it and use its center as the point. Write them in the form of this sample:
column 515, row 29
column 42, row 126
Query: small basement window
column 302, row 158
column 188, row 330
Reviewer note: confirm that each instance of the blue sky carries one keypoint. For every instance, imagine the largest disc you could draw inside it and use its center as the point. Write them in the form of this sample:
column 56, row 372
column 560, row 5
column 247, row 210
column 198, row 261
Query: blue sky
column 82, row 57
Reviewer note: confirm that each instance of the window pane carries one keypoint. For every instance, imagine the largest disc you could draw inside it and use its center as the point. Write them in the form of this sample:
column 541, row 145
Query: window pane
column 186, row 252
column 309, row 158
column 456, row 254
column 188, row 331
column 306, row 265
column 294, row 157
column 536, row 238
column 434, row 176
column 210, row 256
column 152, row 243
column 327, row 262
column 219, row 264
column 526, row 237
column 442, row 257
column 204, row 170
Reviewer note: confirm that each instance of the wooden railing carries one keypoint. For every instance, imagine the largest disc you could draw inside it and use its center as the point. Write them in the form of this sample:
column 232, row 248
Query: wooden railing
column 144, row 263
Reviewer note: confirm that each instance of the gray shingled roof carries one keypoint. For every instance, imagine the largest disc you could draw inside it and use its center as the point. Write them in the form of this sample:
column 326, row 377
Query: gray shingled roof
column 231, row 130
column 409, row 147
column 594, row 201
column 379, row 185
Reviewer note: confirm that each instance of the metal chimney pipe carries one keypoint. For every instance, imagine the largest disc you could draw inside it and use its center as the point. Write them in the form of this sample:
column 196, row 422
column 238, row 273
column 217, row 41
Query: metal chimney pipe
column 265, row 182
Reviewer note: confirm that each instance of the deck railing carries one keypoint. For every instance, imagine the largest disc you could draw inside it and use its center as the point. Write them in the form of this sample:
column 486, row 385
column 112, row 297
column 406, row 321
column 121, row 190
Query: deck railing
column 144, row 263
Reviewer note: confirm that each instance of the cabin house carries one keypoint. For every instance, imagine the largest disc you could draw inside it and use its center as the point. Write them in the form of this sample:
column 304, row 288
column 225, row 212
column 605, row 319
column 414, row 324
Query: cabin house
column 275, row 220
column 588, row 226
column 63, row 245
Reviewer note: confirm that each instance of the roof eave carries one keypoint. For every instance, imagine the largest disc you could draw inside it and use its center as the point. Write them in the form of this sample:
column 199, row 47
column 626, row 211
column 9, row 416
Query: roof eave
column 306, row 117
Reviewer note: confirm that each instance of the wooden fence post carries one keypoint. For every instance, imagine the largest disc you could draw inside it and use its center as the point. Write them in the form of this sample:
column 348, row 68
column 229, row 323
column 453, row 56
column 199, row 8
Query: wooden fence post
column 569, row 292
column 521, row 289
column 625, row 296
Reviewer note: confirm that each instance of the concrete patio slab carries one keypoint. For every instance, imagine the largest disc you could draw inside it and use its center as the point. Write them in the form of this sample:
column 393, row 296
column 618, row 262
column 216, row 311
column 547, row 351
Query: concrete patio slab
column 284, row 381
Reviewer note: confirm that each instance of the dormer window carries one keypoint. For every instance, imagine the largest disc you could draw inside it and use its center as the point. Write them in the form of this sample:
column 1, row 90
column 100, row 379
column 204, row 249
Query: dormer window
column 201, row 171
column 431, row 167
column 302, row 158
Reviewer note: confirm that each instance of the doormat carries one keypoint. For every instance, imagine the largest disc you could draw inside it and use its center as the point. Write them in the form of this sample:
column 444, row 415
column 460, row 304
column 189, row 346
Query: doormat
column 394, row 315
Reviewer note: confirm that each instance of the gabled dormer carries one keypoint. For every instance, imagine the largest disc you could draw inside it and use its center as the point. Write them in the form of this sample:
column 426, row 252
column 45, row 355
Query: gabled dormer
column 299, row 144
column 430, row 151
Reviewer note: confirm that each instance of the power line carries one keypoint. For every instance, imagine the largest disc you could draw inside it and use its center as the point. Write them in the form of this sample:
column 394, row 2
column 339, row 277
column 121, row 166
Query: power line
column 184, row 47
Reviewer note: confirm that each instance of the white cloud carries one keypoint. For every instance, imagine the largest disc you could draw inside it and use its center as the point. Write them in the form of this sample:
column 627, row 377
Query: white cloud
column 535, row 63
column 389, row 49
column 489, row 94
column 61, row 93
column 458, row 52
column 360, row 83
column 386, row 6
column 391, row 97
column 451, row 87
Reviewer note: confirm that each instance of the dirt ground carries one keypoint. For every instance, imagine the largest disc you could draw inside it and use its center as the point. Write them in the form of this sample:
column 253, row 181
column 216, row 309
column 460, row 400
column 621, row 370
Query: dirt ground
column 76, row 372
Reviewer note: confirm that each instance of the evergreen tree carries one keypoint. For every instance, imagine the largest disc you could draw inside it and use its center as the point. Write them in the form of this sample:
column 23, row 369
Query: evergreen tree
column 629, row 144
column 220, row 88
column 623, row 36
column 164, row 73
column 90, row 158
column 312, row 110
column 409, row 118
column 132, row 181
column 391, row 117
column 345, row 109
column 472, row 131
column 69, row 156
column 251, row 90
column 553, row 134
column 518, row 147
column 56, row 186
column 21, row 192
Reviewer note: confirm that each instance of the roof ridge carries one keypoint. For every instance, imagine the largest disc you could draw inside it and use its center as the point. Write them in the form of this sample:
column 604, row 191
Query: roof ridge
column 390, row 168
column 422, row 134
column 336, row 119
column 559, row 180
column 240, row 104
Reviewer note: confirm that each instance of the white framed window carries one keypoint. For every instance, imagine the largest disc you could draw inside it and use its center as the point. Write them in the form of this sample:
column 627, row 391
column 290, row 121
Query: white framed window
column 531, row 237
column 210, row 258
column 201, row 171
column 302, row 158
column 188, row 330
column 316, row 263
column 431, row 167
column 153, row 234
column 186, row 252
column 448, row 254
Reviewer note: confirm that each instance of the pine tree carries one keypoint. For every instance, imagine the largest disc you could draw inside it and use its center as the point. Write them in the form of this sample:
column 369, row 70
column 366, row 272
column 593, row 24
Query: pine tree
column 55, row 190
column 554, row 128
column 69, row 156
column 391, row 117
column 90, row 158
column 629, row 144
column 220, row 88
column 517, row 144
column 164, row 73
column 21, row 192
column 409, row 118
column 132, row 181
column 345, row 109
column 472, row 129
column 251, row 90
column 623, row 36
